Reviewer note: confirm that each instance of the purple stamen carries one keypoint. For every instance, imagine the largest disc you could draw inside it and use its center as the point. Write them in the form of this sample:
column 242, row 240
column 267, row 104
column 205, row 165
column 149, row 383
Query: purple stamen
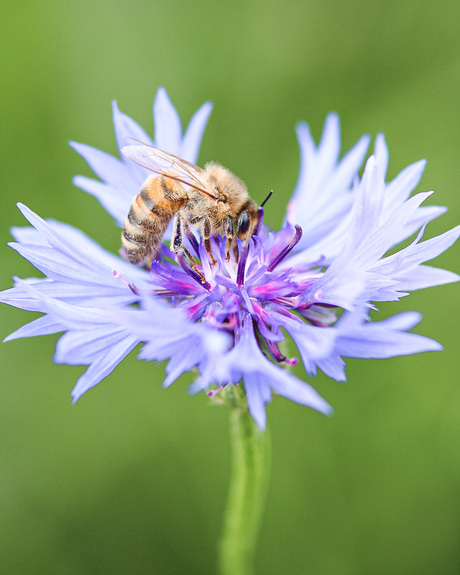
column 260, row 219
column 200, row 279
column 162, row 292
column 258, row 274
column 277, row 355
column 284, row 252
column 193, row 241
column 243, row 252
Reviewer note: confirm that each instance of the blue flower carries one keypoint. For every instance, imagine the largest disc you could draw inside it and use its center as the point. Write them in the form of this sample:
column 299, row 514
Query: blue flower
column 316, row 279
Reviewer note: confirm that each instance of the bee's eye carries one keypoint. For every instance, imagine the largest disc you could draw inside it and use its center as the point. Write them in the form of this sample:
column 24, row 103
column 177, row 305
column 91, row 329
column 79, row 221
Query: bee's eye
column 243, row 222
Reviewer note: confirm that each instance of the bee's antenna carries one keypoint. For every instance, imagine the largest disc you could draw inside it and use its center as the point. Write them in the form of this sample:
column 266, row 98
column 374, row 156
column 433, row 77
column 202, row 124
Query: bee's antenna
column 266, row 199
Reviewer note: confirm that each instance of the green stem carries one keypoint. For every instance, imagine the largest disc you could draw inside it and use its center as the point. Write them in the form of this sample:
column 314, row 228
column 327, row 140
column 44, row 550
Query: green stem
column 248, row 487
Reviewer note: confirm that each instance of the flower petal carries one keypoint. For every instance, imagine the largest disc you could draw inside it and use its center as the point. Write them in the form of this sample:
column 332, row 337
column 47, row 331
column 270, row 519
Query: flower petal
column 106, row 363
column 168, row 130
column 194, row 134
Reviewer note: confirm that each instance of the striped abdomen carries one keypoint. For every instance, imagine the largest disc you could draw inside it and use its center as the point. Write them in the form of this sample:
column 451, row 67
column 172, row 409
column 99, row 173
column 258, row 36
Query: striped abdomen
column 149, row 216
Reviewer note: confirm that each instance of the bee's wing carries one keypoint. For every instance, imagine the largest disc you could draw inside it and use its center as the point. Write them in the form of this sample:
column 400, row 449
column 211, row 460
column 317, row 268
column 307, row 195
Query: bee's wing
column 170, row 166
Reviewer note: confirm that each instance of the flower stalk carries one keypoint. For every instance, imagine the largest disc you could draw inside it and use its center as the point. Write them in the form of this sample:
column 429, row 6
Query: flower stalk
column 250, row 470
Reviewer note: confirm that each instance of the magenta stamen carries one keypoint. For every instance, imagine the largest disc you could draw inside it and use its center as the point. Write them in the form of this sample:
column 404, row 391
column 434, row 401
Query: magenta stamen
column 284, row 252
column 229, row 326
column 290, row 302
column 214, row 392
column 131, row 286
column 120, row 277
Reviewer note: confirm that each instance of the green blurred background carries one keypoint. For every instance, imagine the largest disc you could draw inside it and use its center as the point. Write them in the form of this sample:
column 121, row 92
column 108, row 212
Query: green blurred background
column 133, row 479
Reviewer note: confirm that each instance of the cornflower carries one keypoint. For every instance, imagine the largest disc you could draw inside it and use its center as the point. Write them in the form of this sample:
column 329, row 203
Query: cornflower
column 316, row 279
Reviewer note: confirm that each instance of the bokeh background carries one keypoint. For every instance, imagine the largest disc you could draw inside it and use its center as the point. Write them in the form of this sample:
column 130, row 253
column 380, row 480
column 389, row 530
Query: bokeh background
column 133, row 479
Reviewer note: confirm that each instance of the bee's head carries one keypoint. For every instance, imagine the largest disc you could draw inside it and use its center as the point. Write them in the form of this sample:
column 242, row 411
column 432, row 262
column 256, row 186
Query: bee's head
column 247, row 220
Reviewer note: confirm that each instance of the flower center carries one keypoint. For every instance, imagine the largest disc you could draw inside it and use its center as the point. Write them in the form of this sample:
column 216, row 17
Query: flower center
column 224, row 294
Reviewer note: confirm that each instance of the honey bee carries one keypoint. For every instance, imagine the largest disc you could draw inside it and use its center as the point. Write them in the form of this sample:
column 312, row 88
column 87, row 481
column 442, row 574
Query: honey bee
column 212, row 199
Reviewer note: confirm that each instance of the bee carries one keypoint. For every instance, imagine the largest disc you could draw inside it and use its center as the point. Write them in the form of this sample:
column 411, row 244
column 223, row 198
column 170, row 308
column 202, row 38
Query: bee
column 212, row 199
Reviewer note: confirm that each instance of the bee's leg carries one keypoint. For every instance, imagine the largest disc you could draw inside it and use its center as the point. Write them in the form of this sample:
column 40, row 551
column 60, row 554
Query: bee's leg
column 229, row 232
column 206, row 234
column 178, row 247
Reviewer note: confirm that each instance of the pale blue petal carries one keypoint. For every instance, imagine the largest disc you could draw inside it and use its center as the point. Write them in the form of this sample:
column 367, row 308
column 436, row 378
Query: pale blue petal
column 115, row 200
column 366, row 242
column 18, row 297
column 45, row 325
column 290, row 387
column 82, row 347
column 72, row 316
column 78, row 266
column 28, row 235
column 322, row 199
column 50, row 262
column 106, row 167
column 105, row 365
column 126, row 130
column 366, row 208
column 194, row 134
column 360, row 338
column 419, row 218
column 258, row 394
column 405, row 182
column 429, row 249
column 168, row 130
column 185, row 360
column 375, row 341
column 424, row 277
column 402, row 321
column 314, row 343
column 329, row 146
column 343, row 175
column 333, row 366
column 53, row 239
column 94, row 255
column 245, row 361
column 381, row 153
column 402, row 266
